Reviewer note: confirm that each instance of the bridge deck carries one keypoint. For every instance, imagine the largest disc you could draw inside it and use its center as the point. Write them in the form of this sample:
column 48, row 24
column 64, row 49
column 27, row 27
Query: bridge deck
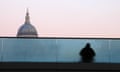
column 60, row 66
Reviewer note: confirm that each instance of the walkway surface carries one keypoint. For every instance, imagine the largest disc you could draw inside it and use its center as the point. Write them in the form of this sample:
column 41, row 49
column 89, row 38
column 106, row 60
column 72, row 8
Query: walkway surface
column 83, row 67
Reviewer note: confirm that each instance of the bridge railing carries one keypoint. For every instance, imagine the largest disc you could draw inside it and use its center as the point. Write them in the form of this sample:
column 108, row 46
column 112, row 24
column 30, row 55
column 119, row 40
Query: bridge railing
column 57, row 49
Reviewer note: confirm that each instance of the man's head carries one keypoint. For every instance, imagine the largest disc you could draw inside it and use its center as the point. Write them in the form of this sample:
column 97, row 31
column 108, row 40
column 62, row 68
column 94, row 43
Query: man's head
column 88, row 45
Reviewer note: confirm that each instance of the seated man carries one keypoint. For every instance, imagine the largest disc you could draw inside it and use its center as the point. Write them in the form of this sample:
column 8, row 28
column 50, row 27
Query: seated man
column 87, row 53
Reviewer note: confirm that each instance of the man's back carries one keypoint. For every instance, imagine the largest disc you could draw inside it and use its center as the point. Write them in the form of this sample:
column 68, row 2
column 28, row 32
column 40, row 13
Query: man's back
column 87, row 52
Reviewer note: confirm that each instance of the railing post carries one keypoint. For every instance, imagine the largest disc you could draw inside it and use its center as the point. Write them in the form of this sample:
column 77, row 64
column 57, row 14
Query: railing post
column 109, row 43
column 2, row 51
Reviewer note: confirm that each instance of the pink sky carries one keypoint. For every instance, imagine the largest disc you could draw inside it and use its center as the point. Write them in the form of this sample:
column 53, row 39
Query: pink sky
column 66, row 18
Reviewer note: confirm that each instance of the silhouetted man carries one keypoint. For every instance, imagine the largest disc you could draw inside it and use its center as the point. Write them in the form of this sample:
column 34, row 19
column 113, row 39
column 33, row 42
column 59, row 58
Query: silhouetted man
column 87, row 53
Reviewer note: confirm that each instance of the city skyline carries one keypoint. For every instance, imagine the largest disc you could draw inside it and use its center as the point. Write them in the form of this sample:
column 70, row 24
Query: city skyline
column 62, row 18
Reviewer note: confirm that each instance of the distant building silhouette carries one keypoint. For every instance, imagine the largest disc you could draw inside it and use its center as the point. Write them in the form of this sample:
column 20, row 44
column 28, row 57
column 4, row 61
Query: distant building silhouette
column 87, row 54
column 27, row 29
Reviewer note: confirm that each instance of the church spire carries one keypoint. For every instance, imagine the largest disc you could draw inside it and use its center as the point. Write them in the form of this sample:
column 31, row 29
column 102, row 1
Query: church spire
column 27, row 17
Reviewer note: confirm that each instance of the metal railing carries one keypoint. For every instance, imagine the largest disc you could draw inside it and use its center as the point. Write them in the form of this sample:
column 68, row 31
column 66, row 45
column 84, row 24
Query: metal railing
column 57, row 49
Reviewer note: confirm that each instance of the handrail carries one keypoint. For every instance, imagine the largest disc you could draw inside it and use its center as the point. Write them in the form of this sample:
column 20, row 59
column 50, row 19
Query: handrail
column 61, row 37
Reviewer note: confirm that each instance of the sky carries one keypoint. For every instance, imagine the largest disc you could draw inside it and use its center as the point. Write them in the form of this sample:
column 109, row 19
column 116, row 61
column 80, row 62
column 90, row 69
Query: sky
column 62, row 18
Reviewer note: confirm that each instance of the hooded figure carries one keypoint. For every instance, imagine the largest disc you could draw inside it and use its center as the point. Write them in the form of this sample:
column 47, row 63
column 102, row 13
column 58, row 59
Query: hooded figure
column 87, row 53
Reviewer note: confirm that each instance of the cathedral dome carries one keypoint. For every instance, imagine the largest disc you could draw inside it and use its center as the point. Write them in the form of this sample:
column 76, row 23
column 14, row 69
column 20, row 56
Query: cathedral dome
column 27, row 29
